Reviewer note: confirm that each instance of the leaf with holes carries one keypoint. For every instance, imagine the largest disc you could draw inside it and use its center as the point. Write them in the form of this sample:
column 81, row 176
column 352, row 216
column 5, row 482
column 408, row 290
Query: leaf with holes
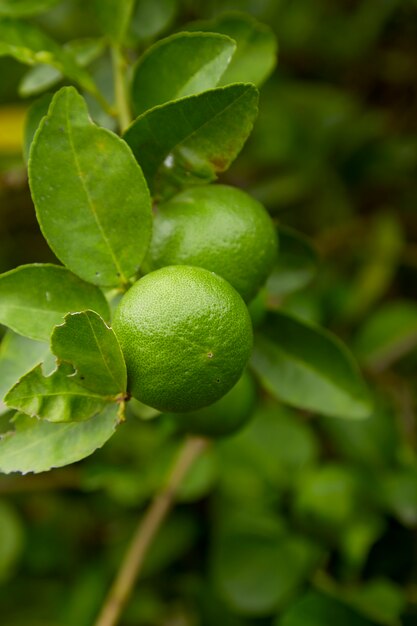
column 91, row 198
column 92, row 348
column 55, row 398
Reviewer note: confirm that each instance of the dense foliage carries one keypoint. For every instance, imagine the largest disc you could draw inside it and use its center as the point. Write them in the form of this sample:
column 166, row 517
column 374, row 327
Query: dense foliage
column 306, row 516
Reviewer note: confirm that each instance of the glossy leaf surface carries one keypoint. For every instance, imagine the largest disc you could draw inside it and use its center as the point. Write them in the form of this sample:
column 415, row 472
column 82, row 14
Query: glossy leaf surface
column 38, row 446
column 91, row 198
column 34, row 298
column 91, row 347
column 309, row 368
column 193, row 139
column 29, row 45
column 256, row 52
column 56, row 398
column 181, row 65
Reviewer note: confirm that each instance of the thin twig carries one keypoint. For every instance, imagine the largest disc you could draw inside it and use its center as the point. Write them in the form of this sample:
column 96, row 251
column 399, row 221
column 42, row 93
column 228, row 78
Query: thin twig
column 120, row 90
column 146, row 532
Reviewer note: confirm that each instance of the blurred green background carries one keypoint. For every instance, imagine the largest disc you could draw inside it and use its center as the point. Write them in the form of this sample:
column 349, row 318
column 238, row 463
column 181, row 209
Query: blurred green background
column 297, row 520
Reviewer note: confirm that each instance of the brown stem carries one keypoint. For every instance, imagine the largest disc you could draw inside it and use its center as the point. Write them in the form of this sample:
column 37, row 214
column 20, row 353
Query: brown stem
column 146, row 531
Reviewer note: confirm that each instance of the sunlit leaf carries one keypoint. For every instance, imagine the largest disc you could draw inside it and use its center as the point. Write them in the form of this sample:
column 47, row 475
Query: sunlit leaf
column 181, row 65
column 90, row 195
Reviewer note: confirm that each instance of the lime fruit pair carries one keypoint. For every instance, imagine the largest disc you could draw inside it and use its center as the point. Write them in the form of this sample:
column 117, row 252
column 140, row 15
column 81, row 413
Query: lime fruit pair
column 184, row 329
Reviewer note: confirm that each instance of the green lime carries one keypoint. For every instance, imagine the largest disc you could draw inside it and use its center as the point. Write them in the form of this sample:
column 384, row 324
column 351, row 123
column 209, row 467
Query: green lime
column 224, row 417
column 186, row 335
column 217, row 227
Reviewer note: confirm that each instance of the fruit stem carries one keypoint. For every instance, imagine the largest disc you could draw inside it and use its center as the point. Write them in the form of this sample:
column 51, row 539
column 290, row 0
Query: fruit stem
column 120, row 90
column 146, row 531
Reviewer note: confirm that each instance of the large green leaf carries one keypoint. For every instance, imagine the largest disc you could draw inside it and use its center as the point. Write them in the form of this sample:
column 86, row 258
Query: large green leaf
column 20, row 8
column 309, row 368
column 18, row 355
column 256, row 52
column 85, row 341
column 181, row 65
column 258, row 566
column 191, row 140
column 56, row 398
column 113, row 17
column 38, row 446
column 34, row 298
column 90, row 195
column 42, row 77
column 29, row 45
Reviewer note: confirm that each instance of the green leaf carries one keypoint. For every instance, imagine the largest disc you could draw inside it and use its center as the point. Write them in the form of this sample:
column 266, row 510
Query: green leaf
column 34, row 298
column 91, row 347
column 307, row 367
column 317, row 609
column 181, row 65
column 258, row 567
column 41, row 445
column 191, row 140
column 56, row 398
column 256, row 53
column 113, row 17
column 29, row 45
column 18, row 355
column 90, row 195
column 37, row 110
column 20, row 8
column 296, row 264
column 387, row 335
column 42, row 77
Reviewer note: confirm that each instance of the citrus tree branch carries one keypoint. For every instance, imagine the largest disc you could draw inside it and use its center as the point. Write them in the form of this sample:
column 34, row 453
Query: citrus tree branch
column 148, row 527
column 120, row 90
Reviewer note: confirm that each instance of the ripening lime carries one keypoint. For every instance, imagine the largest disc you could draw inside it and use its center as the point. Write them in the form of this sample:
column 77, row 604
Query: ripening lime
column 217, row 227
column 224, row 417
column 186, row 335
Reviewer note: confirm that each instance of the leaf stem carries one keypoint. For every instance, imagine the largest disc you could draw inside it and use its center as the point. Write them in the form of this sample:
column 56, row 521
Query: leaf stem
column 120, row 90
column 146, row 531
